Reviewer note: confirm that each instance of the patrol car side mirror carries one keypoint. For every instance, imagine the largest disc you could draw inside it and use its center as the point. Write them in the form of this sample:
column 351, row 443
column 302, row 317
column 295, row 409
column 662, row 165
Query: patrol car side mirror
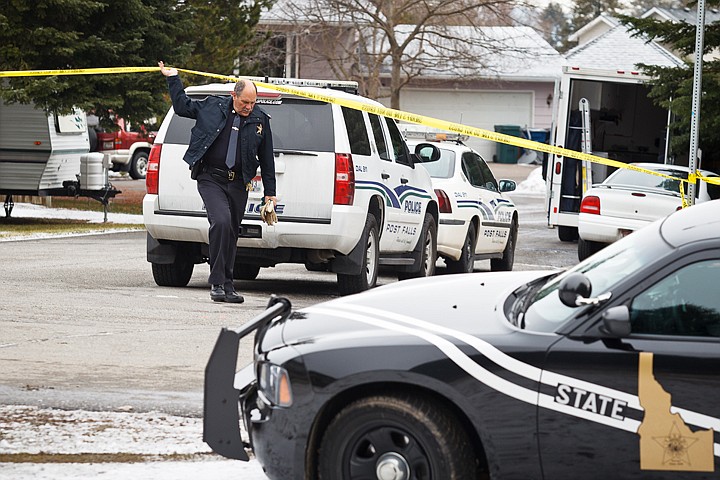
column 427, row 152
column 507, row 185
column 575, row 289
column 616, row 321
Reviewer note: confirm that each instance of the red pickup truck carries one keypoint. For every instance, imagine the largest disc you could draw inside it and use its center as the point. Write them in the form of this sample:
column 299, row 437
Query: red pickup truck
column 128, row 151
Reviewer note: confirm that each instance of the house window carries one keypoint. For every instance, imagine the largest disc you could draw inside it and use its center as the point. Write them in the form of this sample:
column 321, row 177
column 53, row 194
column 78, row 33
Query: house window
column 273, row 58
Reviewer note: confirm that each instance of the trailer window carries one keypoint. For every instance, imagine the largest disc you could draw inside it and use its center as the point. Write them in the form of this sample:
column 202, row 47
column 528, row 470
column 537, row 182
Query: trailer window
column 74, row 123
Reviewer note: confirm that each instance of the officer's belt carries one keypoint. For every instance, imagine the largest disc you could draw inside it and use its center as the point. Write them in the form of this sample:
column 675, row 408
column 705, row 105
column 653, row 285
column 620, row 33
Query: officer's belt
column 223, row 174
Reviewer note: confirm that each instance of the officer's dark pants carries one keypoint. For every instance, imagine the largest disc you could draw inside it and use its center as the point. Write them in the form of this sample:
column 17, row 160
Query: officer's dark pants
column 225, row 206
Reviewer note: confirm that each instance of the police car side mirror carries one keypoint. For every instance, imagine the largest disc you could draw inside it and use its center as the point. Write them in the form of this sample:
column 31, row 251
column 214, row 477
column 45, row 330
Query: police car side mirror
column 616, row 321
column 427, row 152
column 507, row 185
column 575, row 289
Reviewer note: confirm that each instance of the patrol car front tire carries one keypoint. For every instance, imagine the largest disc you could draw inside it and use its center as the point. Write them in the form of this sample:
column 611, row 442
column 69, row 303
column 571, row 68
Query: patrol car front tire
column 410, row 437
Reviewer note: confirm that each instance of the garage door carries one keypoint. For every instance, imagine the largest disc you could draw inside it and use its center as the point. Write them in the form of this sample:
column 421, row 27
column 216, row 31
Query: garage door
column 481, row 109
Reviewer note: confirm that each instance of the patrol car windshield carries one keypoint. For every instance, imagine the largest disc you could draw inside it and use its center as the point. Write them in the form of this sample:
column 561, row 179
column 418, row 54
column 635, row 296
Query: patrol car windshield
column 605, row 270
column 444, row 167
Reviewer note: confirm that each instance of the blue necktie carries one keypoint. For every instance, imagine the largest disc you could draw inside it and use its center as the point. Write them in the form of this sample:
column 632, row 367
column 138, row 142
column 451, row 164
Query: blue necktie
column 232, row 145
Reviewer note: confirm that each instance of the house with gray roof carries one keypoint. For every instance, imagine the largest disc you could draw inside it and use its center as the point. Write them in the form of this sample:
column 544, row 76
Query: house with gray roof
column 493, row 75
column 606, row 44
column 685, row 15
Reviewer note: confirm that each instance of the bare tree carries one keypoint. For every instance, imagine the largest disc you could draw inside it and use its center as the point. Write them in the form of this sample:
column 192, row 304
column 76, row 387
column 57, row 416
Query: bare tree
column 386, row 44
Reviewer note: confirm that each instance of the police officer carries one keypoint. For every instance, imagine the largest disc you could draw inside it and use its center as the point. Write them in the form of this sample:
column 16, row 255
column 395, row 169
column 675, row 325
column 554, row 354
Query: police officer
column 230, row 139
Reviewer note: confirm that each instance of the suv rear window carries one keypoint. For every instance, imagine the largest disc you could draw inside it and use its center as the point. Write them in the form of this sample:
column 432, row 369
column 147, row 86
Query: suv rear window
column 297, row 124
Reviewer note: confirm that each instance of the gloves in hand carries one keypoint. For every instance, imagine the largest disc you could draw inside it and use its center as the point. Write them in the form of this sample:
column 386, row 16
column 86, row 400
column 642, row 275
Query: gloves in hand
column 267, row 213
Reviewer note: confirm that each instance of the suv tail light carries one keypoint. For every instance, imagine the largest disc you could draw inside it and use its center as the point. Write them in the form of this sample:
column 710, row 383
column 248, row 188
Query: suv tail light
column 443, row 201
column 153, row 169
column 590, row 204
column 344, row 179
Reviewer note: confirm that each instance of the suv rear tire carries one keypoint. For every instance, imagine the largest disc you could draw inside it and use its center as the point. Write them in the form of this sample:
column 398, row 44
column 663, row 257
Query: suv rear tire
column 466, row 263
column 243, row 271
column 367, row 278
column 506, row 262
column 176, row 274
column 587, row 248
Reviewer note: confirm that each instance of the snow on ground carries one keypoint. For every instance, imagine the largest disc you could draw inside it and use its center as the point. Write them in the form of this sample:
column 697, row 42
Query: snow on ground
column 28, row 210
column 41, row 443
column 533, row 184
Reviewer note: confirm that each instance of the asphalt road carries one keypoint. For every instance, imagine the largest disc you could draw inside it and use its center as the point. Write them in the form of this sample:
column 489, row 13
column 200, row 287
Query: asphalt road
column 83, row 324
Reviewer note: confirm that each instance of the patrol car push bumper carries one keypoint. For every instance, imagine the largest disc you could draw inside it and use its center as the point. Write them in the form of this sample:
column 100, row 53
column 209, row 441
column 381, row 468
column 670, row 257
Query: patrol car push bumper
column 221, row 417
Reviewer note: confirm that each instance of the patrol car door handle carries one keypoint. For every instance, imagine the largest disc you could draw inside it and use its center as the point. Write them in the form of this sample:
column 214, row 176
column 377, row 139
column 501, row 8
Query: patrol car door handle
column 385, row 176
column 403, row 180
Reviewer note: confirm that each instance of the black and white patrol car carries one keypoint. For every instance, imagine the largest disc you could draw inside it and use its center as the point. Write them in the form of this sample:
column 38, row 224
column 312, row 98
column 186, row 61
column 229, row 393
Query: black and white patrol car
column 610, row 369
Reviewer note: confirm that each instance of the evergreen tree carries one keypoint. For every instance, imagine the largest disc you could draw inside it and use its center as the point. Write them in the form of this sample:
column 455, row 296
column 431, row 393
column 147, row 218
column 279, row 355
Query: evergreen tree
column 224, row 36
column 199, row 35
column 554, row 25
column 638, row 7
column 672, row 87
column 75, row 34
column 585, row 11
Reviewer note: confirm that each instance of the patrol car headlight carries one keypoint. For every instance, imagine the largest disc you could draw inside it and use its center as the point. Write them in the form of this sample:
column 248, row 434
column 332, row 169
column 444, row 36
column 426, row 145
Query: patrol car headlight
column 274, row 385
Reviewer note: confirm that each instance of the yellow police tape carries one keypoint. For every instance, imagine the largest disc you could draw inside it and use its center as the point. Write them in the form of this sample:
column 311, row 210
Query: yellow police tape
column 387, row 112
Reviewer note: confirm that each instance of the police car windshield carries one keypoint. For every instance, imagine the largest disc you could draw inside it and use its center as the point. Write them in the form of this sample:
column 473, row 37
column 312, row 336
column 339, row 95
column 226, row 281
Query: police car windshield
column 606, row 269
column 444, row 167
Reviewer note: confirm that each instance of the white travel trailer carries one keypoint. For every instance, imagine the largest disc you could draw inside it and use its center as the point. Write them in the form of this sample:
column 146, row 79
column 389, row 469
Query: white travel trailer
column 40, row 154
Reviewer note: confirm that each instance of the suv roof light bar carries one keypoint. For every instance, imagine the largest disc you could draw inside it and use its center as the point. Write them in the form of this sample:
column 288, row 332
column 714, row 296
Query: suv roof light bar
column 436, row 136
column 344, row 85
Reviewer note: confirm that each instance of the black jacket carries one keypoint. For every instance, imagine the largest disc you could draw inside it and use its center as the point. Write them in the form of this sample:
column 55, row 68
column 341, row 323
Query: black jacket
column 256, row 143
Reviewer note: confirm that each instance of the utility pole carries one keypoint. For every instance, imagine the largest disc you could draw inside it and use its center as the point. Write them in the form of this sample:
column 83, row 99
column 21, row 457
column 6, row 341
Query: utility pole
column 697, row 91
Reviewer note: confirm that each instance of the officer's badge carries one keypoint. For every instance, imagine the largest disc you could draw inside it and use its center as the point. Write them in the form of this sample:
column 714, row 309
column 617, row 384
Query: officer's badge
column 259, row 129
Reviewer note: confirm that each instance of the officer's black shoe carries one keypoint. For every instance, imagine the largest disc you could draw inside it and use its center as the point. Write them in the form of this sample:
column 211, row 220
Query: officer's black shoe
column 217, row 293
column 231, row 296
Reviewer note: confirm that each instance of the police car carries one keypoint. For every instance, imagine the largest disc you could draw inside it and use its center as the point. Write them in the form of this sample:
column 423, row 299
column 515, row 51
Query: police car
column 606, row 370
column 477, row 222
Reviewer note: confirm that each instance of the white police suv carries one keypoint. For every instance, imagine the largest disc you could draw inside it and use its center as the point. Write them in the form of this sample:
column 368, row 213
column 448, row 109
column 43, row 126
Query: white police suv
column 350, row 195
column 477, row 221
